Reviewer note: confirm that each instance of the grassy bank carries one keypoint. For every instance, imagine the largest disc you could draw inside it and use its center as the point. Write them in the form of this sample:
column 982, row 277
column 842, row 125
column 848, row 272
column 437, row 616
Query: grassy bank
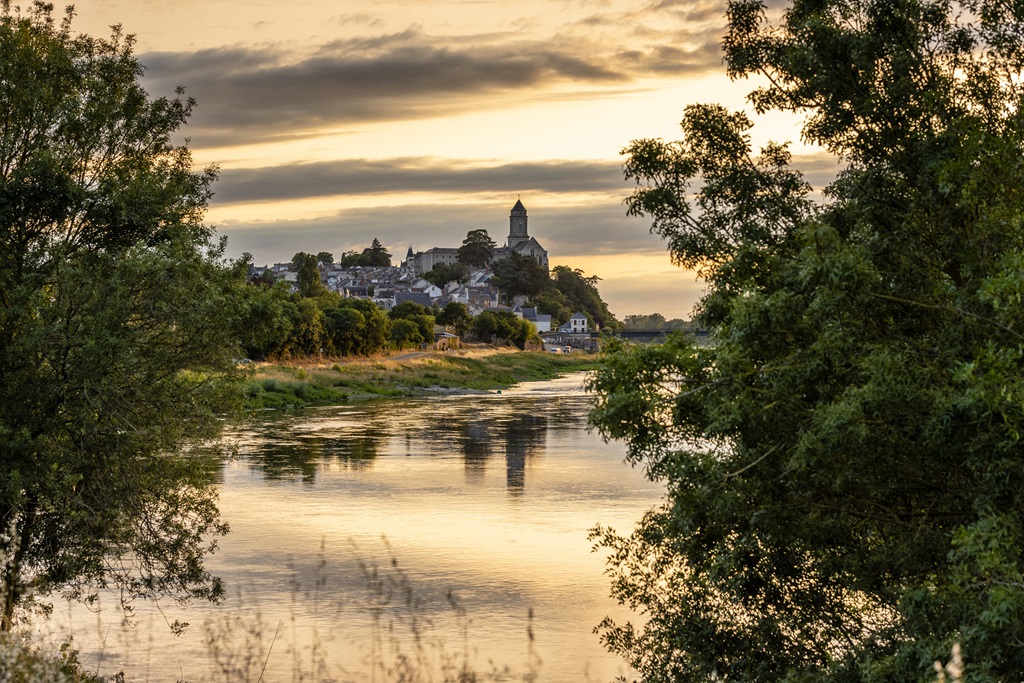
column 408, row 374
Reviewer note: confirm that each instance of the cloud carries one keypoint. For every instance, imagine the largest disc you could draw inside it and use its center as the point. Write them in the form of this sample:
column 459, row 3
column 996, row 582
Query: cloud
column 598, row 226
column 399, row 176
column 264, row 92
column 594, row 229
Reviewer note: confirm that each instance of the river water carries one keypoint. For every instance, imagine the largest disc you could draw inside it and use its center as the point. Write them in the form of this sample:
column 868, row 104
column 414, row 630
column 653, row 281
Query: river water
column 421, row 534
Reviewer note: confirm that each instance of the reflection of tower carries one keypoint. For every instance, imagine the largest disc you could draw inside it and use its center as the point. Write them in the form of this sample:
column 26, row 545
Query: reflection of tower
column 522, row 436
column 515, row 466
column 517, row 225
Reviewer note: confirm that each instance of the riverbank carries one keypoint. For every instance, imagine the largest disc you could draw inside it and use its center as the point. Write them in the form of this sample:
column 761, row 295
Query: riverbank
column 475, row 369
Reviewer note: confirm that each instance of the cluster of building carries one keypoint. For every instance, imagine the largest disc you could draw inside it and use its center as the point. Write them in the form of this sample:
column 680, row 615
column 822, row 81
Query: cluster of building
column 389, row 286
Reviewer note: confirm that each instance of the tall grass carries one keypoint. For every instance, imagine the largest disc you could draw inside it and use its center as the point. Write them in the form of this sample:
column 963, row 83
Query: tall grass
column 389, row 630
column 407, row 644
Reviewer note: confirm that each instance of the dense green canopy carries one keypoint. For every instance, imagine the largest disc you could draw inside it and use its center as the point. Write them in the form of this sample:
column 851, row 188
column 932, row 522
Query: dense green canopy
column 844, row 467
column 477, row 249
column 116, row 326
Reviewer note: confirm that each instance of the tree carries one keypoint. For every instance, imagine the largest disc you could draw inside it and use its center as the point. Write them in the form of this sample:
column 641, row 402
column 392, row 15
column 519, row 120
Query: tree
column 308, row 275
column 844, row 464
column 116, row 327
column 581, row 294
column 477, row 249
column 357, row 327
column 376, row 255
column 492, row 325
column 408, row 308
column 350, row 259
column 517, row 274
column 441, row 274
column 406, row 333
column 456, row 316
column 265, row 313
column 325, row 257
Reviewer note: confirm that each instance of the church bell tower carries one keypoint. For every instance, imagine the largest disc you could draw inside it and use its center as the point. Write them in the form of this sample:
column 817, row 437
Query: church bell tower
column 517, row 225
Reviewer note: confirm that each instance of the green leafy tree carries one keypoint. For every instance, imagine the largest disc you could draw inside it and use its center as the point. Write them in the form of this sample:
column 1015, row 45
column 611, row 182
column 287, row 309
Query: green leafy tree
column 581, row 294
column 516, row 274
column 456, row 316
column 375, row 255
column 654, row 321
column 844, row 464
column 308, row 333
column 492, row 326
column 344, row 328
column 406, row 333
column 408, row 308
column 265, row 319
column 477, row 249
column 441, row 274
column 350, row 259
column 552, row 302
column 117, row 327
column 357, row 327
column 325, row 257
column 308, row 275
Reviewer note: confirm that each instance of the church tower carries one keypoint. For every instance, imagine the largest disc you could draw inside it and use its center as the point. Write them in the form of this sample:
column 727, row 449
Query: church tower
column 517, row 225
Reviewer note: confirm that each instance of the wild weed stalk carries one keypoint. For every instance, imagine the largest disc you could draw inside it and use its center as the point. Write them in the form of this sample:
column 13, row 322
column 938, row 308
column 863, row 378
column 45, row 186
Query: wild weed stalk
column 405, row 639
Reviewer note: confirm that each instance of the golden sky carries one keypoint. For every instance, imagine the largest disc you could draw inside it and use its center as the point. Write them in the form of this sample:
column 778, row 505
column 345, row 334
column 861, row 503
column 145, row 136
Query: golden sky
column 334, row 122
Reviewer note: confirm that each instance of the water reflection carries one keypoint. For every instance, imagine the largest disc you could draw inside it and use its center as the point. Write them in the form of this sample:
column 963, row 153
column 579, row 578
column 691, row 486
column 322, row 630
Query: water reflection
column 299, row 446
column 486, row 498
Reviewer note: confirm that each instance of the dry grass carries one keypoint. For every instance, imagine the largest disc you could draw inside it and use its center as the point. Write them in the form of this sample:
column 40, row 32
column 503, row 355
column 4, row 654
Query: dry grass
column 333, row 381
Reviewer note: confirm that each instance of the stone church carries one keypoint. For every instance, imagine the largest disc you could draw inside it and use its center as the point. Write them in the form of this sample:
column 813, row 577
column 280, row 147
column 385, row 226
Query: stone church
column 518, row 242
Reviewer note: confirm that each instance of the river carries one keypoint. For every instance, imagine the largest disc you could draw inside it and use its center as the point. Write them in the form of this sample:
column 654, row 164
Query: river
column 427, row 533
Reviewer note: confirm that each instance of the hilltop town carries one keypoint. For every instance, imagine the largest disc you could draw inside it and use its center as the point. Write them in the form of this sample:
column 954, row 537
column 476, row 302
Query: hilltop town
column 479, row 275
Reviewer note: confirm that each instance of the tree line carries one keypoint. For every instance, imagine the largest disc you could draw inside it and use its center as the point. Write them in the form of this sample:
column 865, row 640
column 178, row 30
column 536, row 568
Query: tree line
column 312, row 321
column 277, row 323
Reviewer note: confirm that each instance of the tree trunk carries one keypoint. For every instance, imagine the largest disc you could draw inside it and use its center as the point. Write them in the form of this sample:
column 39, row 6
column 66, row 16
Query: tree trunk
column 11, row 583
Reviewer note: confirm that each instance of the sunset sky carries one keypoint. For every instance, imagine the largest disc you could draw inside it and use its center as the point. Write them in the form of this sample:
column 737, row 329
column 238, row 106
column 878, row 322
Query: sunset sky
column 415, row 122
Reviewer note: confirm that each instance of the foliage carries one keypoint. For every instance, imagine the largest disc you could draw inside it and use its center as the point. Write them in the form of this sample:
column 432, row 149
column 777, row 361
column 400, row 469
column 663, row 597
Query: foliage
column 654, row 321
column 266, row 315
column 357, row 327
column 406, row 333
column 376, row 255
column 517, row 274
column 456, row 316
column 552, row 302
column 844, row 465
column 307, row 277
column 116, row 327
column 441, row 274
column 274, row 324
column 570, row 291
column 493, row 325
column 350, row 259
column 477, row 249
column 581, row 294
column 22, row 661
column 407, row 308
column 325, row 257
